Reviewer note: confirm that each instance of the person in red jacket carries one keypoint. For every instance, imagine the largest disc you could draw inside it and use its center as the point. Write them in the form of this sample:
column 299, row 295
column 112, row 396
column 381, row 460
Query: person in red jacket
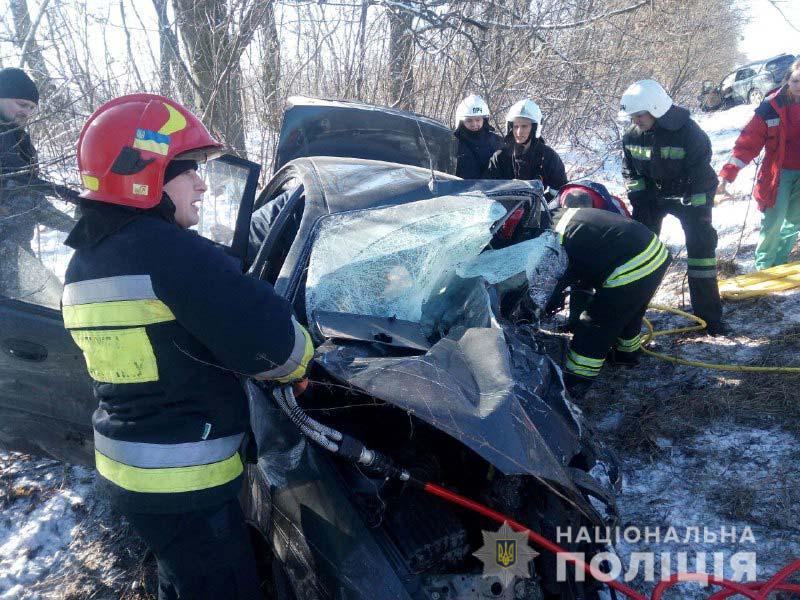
column 775, row 126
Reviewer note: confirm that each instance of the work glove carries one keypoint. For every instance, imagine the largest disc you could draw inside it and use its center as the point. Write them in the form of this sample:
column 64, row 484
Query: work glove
column 308, row 353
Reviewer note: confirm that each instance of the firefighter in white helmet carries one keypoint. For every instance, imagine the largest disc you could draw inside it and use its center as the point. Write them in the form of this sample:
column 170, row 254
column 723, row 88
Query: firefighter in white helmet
column 667, row 170
column 525, row 154
column 477, row 140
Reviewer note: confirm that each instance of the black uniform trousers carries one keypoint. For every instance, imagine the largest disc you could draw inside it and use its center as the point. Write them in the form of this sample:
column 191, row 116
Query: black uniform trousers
column 201, row 555
column 614, row 316
column 701, row 246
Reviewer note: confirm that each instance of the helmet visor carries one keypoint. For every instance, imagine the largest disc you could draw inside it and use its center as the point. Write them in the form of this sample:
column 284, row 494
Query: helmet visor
column 201, row 154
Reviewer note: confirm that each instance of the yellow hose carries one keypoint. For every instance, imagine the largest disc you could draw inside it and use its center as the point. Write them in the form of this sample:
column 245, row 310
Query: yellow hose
column 651, row 334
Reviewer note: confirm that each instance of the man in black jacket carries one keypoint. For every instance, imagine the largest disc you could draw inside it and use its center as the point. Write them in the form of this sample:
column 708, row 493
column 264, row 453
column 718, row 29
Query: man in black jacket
column 667, row 171
column 477, row 140
column 167, row 322
column 525, row 155
column 23, row 204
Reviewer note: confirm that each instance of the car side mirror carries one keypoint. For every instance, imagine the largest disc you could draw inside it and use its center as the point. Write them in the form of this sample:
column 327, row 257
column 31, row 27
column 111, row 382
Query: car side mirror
column 707, row 85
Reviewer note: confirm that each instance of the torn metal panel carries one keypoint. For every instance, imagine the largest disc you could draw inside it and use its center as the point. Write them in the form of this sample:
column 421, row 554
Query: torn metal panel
column 486, row 387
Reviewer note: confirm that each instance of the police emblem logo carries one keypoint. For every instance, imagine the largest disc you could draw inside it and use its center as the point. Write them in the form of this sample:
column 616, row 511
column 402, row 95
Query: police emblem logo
column 505, row 554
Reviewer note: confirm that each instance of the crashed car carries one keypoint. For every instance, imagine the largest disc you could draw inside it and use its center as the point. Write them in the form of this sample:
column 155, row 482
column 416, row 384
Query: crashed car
column 412, row 283
column 747, row 84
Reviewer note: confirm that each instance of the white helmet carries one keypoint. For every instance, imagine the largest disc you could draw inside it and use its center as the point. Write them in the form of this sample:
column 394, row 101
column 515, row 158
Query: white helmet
column 530, row 110
column 471, row 106
column 645, row 96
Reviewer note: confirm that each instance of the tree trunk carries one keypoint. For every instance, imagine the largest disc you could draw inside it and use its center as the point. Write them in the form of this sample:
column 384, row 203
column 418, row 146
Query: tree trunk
column 401, row 55
column 25, row 39
column 172, row 76
column 214, row 62
column 272, row 66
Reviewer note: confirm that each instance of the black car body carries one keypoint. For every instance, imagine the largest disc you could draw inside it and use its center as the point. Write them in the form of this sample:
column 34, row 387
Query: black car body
column 408, row 282
column 747, row 84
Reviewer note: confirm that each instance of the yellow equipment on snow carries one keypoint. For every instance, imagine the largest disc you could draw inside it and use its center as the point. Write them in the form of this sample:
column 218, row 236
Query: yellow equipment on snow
column 651, row 333
column 760, row 283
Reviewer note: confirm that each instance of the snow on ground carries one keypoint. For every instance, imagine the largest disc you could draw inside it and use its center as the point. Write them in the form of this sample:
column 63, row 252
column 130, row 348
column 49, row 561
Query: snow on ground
column 58, row 539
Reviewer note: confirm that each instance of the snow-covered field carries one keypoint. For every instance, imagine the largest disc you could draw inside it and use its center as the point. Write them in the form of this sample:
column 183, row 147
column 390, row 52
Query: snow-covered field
column 698, row 448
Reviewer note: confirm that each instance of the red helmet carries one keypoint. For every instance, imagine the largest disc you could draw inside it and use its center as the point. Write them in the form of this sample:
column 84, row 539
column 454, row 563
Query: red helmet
column 127, row 143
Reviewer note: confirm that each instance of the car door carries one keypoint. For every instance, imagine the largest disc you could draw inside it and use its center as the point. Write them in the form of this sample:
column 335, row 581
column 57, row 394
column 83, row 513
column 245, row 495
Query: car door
column 46, row 399
column 45, row 393
column 741, row 87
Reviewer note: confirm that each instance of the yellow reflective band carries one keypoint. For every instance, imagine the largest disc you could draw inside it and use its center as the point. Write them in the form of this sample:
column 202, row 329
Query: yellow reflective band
column 698, row 199
column 637, row 261
column 673, row 152
column 169, row 480
column 118, row 314
column 90, row 182
column 641, row 272
column 308, row 354
column 636, row 185
column 586, row 361
column 561, row 226
column 574, row 367
column 118, row 355
column 640, row 152
column 630, row 345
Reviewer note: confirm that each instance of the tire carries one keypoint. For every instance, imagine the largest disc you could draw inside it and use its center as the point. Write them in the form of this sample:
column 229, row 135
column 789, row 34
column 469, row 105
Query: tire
column 755, row 96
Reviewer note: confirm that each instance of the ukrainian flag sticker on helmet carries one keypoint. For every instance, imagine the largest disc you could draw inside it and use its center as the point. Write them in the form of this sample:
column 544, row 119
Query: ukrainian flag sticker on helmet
column 152, row 141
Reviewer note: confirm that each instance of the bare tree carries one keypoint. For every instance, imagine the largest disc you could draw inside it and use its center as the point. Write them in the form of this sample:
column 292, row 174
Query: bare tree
column 216, row 35
column 401, row 54
column 30, row 51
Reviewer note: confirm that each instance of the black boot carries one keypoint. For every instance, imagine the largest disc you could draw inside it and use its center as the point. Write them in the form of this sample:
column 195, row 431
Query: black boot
column 619, row 358
column 716, row 328
column 576, row 385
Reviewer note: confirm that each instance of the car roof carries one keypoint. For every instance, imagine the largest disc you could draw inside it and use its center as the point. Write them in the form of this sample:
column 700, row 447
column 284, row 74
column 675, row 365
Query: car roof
column 764, row 60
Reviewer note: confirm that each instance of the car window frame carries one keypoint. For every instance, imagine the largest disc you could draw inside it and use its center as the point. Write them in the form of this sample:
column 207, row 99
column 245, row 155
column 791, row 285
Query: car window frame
column 241, row 232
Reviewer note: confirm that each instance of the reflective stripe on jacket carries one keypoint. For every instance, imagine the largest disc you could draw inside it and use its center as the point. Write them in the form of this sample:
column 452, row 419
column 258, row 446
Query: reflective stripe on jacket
column 606, row 249
column 166, row 321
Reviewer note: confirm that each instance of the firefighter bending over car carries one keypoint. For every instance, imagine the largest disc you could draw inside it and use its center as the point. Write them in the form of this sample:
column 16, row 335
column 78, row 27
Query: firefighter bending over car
column 624, row 262
column 166, row 321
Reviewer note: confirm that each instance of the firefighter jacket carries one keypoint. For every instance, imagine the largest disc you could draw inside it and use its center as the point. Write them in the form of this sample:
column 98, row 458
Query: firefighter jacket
column 534, row 160
column 672, row 159
column 607, row 250
column 768, row 129
column 166, row 321
column 475, row 148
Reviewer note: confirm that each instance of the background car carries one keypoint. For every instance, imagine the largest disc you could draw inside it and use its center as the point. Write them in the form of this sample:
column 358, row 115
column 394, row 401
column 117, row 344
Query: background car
column 747, row 84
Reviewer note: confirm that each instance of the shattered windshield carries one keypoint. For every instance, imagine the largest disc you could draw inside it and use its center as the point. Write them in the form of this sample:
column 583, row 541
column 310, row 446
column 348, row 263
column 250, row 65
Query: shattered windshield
column 386, row 261
column 420, row 261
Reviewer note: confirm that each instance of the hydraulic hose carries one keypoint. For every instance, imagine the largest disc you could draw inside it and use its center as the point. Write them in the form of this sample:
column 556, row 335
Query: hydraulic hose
column 356, row 452
column 651, row 334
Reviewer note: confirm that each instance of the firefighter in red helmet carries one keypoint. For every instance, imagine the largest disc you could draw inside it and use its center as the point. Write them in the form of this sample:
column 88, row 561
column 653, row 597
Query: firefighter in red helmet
column 165, row 321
